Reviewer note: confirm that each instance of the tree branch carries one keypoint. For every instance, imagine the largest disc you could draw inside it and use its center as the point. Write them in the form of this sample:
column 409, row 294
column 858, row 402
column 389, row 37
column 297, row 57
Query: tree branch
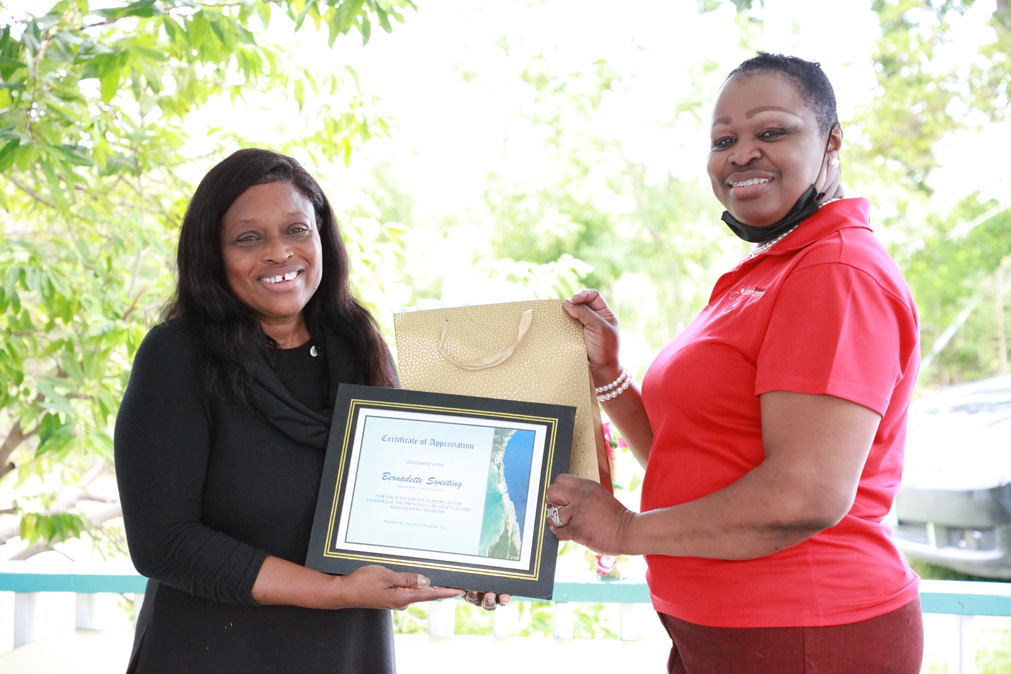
column 44, row 43
column 36, row 549
column 99, row 499
column 7, row 534
column 105, row 514
column 133, row 305
column 1003, row 13
column 14, row 438
column 93, row 474
column 32, row 193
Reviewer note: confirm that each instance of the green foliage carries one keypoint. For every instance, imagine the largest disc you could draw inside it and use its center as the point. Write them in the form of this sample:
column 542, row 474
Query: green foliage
column 51, row 528
column 922, row 95
column 950, row 270
column 590, row 623
column 535, row 618
column 645, row 244
column 559, row 279
column 910, row 112
column 993, row 646
column 96, row 166
column 340, row 17
column 412, row 620
column 532, row 618
column 471, row 619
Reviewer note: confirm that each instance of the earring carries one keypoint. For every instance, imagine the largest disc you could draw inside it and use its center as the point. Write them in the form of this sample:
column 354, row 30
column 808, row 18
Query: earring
column 833, row 162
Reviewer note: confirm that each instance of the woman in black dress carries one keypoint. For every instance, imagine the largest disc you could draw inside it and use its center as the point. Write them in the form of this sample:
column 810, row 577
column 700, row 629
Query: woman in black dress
column 221, row 437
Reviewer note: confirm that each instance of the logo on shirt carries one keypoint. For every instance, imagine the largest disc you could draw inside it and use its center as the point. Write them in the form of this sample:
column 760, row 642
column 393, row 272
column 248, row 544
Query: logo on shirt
column 736, row 296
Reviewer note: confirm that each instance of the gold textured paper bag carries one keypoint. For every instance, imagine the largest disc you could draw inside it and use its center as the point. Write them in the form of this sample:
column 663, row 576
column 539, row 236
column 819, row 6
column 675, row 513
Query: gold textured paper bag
column 530, row 351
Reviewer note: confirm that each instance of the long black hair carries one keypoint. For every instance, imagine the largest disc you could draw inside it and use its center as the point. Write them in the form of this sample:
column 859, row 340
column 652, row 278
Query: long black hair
column 807, row 76
column 225, row 329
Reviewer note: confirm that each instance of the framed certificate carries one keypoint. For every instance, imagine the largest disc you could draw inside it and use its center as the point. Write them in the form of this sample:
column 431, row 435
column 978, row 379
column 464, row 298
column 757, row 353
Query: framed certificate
column 449, row 486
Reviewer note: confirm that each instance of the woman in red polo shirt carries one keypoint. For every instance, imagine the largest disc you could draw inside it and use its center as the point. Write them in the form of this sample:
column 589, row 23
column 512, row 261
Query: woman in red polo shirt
column 772, row 427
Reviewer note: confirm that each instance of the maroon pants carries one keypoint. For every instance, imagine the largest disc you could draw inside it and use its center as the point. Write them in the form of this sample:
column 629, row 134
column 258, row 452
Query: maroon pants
column 892, row 644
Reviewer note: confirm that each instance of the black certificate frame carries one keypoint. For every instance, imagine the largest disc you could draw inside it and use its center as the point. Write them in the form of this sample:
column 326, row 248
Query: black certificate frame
column 530, row 576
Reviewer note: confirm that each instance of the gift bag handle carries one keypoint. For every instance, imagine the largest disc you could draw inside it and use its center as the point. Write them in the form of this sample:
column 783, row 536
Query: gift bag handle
column 487, row 361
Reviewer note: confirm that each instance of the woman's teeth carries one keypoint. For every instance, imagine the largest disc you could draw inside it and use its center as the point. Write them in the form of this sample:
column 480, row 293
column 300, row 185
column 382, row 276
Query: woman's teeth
column 753, row 181
column 280, row 277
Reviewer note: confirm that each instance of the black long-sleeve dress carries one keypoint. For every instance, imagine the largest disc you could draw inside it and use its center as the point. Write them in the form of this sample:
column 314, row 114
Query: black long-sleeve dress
column 209, row 489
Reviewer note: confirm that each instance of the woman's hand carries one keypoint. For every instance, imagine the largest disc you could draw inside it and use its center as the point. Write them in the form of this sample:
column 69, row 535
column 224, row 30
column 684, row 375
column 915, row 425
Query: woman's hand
column 379, row 587
column 600, row 332
column 489, row 601
column 285, row 583
column 589, row 515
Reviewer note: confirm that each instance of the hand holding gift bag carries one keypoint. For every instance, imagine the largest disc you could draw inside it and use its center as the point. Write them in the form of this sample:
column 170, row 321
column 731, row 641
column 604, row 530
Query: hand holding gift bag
column 531, row 351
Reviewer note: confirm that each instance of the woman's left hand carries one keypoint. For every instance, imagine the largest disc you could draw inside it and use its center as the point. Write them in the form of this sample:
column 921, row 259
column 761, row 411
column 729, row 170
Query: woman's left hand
column 489, row 601
column 589, row 515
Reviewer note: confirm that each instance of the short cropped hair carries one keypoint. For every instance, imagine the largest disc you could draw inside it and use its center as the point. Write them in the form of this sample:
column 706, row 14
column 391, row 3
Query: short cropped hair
column 810, row 80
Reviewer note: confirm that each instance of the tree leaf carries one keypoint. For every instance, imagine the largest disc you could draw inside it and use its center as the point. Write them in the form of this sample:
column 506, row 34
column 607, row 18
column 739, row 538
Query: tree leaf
column 366, row 28
column 58, row 440
column 110, row 84
column 142, row 8
column 55, row 401
column 7, row 154
column 74, row 156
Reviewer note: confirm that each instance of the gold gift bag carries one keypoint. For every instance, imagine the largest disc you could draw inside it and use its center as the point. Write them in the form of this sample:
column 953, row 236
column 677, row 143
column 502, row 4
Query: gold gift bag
column 531, row 351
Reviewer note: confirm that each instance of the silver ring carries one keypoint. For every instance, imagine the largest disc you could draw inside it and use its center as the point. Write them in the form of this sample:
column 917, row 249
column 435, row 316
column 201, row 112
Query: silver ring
column 552, row 513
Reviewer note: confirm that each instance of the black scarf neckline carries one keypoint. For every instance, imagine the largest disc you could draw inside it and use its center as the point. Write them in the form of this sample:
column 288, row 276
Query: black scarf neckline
column 284, row 412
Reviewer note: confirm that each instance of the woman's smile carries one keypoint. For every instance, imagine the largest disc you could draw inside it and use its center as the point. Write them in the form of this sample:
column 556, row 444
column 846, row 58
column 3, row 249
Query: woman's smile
column 281, row 278
column 747, row 184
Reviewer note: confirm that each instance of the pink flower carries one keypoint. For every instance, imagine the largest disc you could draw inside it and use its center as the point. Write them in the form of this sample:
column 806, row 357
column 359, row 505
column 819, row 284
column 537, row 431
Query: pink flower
column 605, row 564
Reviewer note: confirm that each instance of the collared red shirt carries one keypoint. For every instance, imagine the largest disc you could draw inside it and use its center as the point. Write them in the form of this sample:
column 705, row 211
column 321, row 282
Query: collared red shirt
column 824, row 311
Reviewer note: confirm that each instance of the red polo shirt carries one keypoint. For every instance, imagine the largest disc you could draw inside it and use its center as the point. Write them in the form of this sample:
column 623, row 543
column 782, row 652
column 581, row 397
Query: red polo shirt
column 825, row 311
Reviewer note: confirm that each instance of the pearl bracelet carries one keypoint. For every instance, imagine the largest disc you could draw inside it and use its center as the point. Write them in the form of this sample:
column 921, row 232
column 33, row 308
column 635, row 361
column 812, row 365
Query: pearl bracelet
column 618, row 385
column 615, row 393
column 617, row 382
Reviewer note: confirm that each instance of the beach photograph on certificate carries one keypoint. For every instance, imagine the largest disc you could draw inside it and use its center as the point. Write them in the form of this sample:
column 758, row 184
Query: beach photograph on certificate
column 451, row 489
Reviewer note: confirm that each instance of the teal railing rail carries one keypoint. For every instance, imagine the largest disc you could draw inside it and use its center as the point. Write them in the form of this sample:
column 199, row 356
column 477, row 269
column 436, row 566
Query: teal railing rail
column 963, row 598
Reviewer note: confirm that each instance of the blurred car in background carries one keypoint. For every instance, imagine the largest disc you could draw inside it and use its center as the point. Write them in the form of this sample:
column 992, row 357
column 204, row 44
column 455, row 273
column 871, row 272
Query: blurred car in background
column 954, row 506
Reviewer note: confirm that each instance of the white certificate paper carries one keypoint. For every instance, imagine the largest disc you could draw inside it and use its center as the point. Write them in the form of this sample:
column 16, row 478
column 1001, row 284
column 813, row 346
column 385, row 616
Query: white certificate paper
column 442, row 488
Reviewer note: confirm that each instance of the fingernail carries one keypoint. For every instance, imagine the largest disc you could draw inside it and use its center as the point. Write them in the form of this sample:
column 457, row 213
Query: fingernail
column 423, row 582
column 567, row 303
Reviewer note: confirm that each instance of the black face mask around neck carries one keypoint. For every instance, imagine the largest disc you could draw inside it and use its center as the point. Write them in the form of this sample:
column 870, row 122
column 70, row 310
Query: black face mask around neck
column 804, row 208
